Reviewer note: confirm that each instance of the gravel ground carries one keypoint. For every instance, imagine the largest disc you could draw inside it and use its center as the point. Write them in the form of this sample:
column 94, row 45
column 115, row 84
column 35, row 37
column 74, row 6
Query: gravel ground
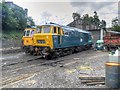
column 11, row 50
column 65, row 74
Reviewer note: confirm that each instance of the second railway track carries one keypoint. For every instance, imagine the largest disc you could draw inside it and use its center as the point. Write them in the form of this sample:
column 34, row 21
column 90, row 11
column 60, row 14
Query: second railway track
column 13, row 77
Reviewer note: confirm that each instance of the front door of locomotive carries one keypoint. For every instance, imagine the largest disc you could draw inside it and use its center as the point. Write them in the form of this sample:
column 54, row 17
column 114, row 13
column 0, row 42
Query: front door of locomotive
column 57, row 37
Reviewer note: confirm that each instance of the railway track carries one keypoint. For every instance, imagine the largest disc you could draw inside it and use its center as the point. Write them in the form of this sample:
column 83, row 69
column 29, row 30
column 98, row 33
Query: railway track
column 16, row 77
column 14, row 62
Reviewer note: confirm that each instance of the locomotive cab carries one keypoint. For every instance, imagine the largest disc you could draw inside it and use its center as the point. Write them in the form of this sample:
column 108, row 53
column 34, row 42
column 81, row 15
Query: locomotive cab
column 27, row 41
column 45, row 37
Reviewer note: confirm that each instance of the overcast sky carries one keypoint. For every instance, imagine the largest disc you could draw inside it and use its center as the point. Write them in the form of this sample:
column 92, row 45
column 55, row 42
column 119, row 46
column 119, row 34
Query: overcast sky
column 60, row 11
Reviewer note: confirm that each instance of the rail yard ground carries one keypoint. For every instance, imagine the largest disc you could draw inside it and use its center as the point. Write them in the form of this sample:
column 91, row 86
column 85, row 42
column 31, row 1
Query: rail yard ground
column 25, row 71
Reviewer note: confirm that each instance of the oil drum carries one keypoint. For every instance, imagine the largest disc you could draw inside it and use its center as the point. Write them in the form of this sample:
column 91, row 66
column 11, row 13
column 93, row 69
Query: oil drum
column 112, row 78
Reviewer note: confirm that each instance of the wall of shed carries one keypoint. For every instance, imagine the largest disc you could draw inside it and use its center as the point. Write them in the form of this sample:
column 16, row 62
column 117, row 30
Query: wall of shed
column 96, row 35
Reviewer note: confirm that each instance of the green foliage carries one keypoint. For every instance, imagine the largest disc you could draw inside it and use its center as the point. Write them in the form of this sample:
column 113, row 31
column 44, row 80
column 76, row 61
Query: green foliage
column 115, row 22
column 116, row 28
column 8, row 21
column 115, row 25
column 12, row 35
column 76, row 16
column 30, row 21
column 88, row 20
column 103, row 24
column 13, row 18
column 96, row 20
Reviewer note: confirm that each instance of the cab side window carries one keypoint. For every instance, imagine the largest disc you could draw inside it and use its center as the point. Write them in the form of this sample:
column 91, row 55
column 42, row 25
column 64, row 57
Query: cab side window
column 25, row 33
column 54, row 30
column 39, row 30
column 59, row 31
column 28, row 33
column 32, row 32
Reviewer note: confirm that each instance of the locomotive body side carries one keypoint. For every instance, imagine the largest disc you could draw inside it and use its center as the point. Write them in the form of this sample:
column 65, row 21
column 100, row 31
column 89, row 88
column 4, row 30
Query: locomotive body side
column 72, row 38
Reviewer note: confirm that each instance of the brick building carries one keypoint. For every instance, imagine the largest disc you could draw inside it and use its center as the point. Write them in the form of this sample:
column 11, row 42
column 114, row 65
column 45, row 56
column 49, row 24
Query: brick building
column 89, row 27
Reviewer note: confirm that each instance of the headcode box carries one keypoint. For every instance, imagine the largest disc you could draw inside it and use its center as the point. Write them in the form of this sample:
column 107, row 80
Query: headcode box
column 114, row 56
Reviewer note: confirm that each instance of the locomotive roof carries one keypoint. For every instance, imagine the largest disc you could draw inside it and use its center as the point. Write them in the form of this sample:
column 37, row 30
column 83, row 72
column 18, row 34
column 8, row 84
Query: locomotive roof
column 66, row 27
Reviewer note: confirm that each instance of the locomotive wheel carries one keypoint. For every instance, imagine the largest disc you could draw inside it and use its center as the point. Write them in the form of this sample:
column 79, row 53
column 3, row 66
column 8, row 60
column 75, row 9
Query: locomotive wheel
column 34, row 53
column 48, row 57
column 31, row 52
column 26, row 52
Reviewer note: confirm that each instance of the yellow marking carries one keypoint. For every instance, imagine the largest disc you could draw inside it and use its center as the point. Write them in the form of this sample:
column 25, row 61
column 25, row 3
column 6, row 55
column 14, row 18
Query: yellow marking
column 84, row 68
column 71, row 71
column 112, row 64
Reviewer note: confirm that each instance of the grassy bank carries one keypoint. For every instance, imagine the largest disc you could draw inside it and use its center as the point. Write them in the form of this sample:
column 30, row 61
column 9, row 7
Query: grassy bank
column 11, row 39
column 12, row 35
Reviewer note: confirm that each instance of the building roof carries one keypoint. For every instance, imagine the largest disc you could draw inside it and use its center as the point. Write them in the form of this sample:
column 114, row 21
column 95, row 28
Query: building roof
column 114, row 32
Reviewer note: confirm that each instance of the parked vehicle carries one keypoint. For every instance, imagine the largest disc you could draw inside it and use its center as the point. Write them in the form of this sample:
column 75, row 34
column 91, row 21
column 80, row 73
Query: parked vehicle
column 112, row 40
column 99, row 45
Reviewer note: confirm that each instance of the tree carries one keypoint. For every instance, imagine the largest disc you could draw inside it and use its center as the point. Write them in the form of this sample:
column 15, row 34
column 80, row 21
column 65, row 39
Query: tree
column 115, row 22
column 96, row 20
column 8, row 21
column 115, row 25
column 116, row 28
column 86, row 21
column 14, row 17
column 19, row 14
column 76, row 16
column 103, row 24
column 30, row 22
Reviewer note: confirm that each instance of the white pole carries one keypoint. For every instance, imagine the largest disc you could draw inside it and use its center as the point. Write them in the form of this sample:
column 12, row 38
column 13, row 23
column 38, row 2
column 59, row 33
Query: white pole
column 101, row 34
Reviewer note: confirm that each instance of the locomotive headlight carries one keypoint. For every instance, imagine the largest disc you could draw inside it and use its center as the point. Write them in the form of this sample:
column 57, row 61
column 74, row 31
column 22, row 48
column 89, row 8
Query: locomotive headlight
column 46, row 36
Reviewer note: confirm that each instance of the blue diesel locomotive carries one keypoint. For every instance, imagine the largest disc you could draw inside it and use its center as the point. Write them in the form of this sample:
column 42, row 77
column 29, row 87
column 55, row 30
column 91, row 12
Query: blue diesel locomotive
column 53, row 40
